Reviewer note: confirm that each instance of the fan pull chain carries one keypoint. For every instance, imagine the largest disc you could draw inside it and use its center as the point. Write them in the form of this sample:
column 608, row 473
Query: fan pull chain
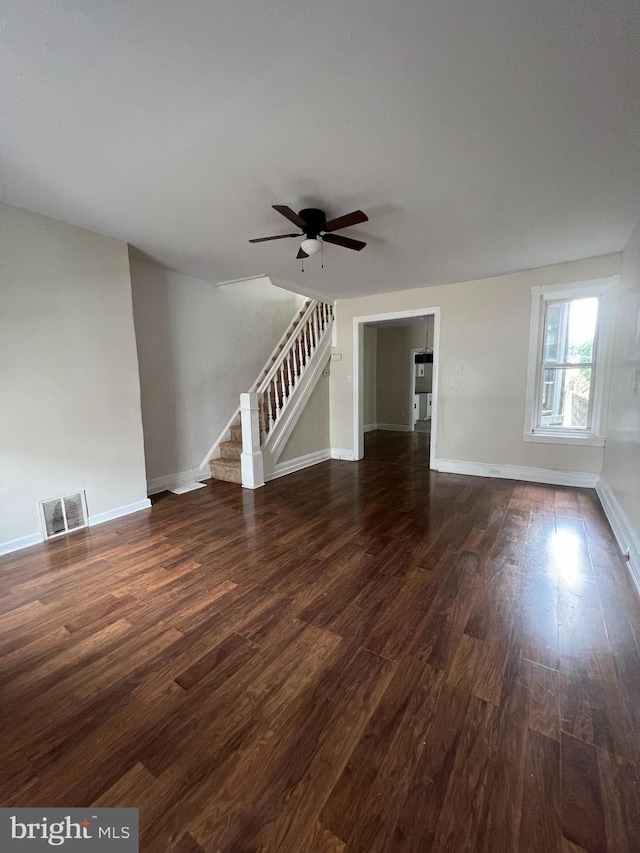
column 321, row 254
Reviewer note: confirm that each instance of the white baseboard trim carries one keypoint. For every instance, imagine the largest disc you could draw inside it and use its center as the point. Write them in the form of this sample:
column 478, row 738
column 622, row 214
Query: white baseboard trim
column 118, row 512
column 394, row 427
column 174, row 481
column 340, row 453
column 300, row 462
column 21, row 542
column 551, row 476
column 99, row 518
column 370, row 427
column 627, row 537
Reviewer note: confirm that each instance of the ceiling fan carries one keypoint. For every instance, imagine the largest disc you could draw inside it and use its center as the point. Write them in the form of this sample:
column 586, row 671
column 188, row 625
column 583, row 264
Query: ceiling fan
column 316, row 230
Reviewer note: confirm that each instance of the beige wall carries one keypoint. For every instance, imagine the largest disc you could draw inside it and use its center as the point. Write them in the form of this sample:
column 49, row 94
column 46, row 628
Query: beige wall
column 70, row 413
column 370, row 375
column 312, row 432
column 621, row 467
column 393, row 375
column 484, row 339
column 200, row 346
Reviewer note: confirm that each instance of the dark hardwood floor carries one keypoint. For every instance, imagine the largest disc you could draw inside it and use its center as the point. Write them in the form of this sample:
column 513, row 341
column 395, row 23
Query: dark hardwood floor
column 358, row 657
column 397, row 448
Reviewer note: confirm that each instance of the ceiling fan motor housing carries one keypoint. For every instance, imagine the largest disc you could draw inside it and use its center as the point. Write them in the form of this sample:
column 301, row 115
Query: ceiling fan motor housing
column 314, row 219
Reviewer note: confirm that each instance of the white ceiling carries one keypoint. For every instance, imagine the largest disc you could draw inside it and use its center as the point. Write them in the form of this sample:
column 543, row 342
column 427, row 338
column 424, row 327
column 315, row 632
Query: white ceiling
column 479, row 137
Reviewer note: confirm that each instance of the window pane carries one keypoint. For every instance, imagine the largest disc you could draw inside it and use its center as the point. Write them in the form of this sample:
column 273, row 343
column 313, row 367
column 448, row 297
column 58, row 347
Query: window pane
column 553, row 329
column 569, row 331
column 565, row 397
column 583, row 316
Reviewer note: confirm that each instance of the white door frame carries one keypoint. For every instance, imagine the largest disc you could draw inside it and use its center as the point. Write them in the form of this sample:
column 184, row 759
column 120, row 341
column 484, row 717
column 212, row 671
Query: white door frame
column 358, row 367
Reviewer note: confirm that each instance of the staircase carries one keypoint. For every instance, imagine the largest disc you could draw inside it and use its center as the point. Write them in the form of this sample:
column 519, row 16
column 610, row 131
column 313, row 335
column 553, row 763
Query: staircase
column 257, row 433
column 227, row 466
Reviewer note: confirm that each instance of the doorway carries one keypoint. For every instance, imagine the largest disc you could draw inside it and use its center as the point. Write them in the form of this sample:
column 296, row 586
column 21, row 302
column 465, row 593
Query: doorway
column 421, row 383
column 394, row 320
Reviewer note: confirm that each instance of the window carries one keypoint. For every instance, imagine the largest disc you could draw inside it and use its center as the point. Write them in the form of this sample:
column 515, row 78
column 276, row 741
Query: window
column 567, row 364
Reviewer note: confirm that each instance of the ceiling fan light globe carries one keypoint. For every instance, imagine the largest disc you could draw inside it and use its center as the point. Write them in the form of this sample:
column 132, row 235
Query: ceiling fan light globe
column 310, row 247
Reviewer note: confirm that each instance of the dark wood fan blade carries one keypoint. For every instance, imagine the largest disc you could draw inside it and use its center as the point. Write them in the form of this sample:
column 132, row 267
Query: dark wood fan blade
column 277, row 237
column 347, row 242
column 345, row 221
column 291, row 215
column 301, row 254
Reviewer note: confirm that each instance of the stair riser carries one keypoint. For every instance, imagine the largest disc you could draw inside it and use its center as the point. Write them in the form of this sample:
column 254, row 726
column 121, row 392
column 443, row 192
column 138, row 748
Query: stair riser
column 232, row 452
column 230, row 475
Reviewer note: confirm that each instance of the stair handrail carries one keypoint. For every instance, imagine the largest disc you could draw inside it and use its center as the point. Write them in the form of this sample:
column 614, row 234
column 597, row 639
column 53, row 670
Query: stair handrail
column 280, row 346
column 284, row 352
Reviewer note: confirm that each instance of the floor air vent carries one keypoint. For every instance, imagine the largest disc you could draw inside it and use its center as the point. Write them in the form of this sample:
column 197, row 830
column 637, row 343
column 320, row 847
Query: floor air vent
column 62, row 515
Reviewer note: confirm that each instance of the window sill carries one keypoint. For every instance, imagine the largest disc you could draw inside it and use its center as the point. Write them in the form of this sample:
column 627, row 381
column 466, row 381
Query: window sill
column 552, row 438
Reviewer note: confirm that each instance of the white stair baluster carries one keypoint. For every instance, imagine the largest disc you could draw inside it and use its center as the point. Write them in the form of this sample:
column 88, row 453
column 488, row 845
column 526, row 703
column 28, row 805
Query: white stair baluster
column 270, row 404
column 264, row 429
column 283, row 384
column 289, row 357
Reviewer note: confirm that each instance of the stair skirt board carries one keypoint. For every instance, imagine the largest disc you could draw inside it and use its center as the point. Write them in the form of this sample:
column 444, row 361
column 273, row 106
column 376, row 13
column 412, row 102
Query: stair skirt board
column 299, row 463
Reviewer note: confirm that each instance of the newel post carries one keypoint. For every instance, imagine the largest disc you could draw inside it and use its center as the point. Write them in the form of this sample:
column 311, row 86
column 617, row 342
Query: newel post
column 251, row 459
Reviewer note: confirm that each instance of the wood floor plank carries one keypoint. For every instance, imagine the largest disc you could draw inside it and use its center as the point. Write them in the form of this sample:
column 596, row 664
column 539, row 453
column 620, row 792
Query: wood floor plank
column 478, row 667
column 544, row 703
column 366, row 657
column 582, row 809
column 382, row 765
column 502, row 805
column 540, row 823
column 427, row 793
column 459, row 824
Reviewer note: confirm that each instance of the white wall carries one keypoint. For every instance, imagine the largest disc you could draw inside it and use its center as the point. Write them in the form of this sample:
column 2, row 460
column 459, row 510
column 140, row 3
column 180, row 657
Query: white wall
column 484, row 339
column 199, row 346
column 69, row 372
column 621, row 468
column 311, row 433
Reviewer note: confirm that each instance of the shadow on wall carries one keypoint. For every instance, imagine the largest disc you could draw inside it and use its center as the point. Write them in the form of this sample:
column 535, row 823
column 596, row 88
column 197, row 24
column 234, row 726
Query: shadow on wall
column 156, row 364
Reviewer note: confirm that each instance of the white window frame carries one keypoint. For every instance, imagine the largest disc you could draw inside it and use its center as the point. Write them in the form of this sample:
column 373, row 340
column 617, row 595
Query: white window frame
column 604, row 289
